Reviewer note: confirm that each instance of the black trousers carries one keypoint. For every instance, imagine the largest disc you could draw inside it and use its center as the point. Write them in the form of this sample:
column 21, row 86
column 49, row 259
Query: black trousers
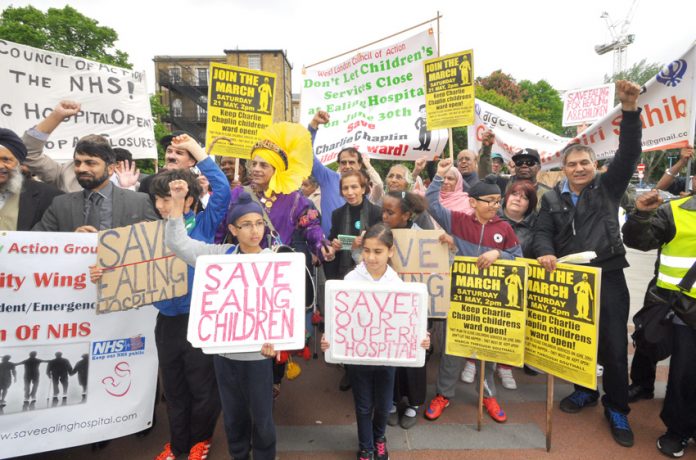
column 643, row 370
column 679, row 410
column 613, row 341
column 188, row 380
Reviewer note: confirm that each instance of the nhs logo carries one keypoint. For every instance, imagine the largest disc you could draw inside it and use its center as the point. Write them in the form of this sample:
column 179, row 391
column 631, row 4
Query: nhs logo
column 118, row 347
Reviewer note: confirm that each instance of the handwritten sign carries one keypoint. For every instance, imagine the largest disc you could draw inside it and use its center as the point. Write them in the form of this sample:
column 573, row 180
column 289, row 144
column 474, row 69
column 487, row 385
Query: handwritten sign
column 449, row 90
column 139, row 268
column 241, row 301
column 587, row 105
column 487, row 318
column 420, row 257
column 563, row 321
column 370, row 323
column 240, row 105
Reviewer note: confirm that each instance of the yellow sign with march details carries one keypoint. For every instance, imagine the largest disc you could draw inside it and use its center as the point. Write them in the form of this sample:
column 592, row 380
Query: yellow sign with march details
column 488, row 310
column 240, row 105
column 449, row 90
column 563, row 322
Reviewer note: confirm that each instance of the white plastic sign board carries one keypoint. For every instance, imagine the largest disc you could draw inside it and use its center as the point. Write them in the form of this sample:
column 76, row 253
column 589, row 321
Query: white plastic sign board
column 376, row 324
column 241, row 301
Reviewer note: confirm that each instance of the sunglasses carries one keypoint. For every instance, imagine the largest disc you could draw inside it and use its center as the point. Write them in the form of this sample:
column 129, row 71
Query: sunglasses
column 529, row 163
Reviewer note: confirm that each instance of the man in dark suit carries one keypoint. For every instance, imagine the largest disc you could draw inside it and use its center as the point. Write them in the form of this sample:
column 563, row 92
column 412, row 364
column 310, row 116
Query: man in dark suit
column 100, row 205
column 22, row 201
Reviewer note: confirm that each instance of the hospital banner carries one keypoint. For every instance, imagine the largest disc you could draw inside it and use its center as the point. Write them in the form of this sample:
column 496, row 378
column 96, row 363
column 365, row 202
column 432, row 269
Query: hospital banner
column 115, row 101
column 667, row 115
column 563, row 321
column 449, row 90
column 240, row 105
column 67, row 376
column 376, row 101
column 488, row 310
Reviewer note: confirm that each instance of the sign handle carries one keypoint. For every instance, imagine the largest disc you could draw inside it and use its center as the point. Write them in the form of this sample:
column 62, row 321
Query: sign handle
column 236, row 169
column 549, row 409
column 451, row 143
column 482, row 370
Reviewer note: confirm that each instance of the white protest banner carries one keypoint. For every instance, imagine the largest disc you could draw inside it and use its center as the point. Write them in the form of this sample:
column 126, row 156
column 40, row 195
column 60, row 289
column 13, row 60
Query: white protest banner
column 587, row 105
column 668, row 120
column 420, row 257
column 241, row 301
column 370, row 323
column 114, row 100
column 80, row 378
column 376, row 100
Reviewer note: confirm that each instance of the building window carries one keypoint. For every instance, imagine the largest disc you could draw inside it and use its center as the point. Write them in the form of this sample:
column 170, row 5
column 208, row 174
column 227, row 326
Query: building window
column 202, row 108
column 175, row 74
column 202, row 74
column 254, row 61
column 177, row 108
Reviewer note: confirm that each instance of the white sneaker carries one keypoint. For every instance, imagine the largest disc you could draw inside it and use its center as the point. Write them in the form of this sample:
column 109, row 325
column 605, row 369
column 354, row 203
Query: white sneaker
column 469, row 372
column 507, row 378
column 600, row 370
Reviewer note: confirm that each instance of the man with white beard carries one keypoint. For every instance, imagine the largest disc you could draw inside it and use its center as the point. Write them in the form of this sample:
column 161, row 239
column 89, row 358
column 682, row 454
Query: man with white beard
column 22, row 201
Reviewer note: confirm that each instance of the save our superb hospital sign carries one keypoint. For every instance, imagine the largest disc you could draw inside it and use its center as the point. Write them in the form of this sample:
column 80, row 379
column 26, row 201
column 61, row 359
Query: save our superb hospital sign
column 376, row 100
column 114, row 100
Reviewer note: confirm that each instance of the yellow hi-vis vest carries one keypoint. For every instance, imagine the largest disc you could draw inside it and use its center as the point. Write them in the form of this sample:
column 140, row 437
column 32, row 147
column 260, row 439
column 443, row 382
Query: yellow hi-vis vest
column 679, row 255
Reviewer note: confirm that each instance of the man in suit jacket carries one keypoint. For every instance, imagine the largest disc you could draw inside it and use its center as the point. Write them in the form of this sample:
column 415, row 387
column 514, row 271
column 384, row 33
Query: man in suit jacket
column 22, row 201
column 100, row 205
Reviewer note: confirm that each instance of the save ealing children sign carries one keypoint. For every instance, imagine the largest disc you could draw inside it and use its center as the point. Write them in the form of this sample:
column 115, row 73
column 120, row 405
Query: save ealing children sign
column 563, row 322
column 240, row 105
column 487, row 315
column 241, row 301
column 138, row 268
column 420, row 257
column 376, row 324
column 449, row 90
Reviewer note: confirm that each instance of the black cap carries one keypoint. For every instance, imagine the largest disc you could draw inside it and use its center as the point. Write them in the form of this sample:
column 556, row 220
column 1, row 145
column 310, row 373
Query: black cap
column 487, row 186
column 526, row 154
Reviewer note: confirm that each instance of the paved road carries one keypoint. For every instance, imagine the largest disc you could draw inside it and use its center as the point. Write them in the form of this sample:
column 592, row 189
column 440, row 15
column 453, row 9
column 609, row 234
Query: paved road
column 316, row 421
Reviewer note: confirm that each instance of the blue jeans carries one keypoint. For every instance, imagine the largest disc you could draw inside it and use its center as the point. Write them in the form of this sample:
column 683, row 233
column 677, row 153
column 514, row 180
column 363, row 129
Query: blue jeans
column 373, row 390
column 246, row 393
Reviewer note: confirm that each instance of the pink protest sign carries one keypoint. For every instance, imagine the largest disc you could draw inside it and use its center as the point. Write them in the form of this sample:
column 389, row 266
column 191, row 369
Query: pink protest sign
column 241, row 301
column 370, row 323
column 587, row 105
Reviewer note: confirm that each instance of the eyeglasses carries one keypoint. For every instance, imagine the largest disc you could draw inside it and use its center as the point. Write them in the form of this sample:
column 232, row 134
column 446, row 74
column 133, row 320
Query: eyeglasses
column 250, row 225
column 520, row 163
column 491, row 203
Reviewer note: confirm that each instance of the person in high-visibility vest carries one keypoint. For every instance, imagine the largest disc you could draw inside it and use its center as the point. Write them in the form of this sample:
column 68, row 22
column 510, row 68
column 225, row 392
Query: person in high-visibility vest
column 671, row 228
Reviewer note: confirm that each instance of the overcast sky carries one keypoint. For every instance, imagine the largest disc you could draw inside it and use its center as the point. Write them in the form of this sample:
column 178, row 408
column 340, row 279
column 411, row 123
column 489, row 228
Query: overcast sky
column 533, row 39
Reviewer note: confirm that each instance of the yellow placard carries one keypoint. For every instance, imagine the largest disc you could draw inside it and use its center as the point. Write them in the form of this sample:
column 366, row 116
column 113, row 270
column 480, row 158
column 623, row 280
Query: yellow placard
column 563, row 321
column 138, row 268
column 240, row 104
column 449, row 90
column 419, row 257
column 488, row 310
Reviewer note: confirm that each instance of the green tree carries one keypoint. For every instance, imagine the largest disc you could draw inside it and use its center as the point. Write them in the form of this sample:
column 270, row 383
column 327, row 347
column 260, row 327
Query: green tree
column 639, row 72
column 63, row 30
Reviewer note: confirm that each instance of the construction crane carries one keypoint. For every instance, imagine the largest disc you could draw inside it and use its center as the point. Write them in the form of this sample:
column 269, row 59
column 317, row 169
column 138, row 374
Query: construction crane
column 620, row 38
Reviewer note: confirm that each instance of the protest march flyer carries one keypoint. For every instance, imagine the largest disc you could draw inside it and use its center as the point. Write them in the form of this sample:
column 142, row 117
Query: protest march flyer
column 240, row 105
column 139, row 268
column 449, row 90
column 114, row 100
column 667, row 116
column 376, row 324
column 563, row 321
column 241, row 301
column 80, row 377
column 420, row 257
column 376, row 101
column 487, row 315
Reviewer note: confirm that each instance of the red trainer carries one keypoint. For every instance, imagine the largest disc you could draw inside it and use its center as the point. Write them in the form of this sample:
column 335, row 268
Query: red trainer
column 199, row 451
column 166, row 453
column 494, row 410
column 437, row 405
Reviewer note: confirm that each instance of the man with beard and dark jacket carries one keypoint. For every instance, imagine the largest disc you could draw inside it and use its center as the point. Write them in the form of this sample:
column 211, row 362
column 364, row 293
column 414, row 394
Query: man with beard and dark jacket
column 581, row 214
column 100, row 205
column 22, row 201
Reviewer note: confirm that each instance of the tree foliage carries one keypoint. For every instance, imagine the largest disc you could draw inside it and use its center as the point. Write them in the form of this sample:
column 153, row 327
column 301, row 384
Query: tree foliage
column 63, row 30
column 640, row 73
